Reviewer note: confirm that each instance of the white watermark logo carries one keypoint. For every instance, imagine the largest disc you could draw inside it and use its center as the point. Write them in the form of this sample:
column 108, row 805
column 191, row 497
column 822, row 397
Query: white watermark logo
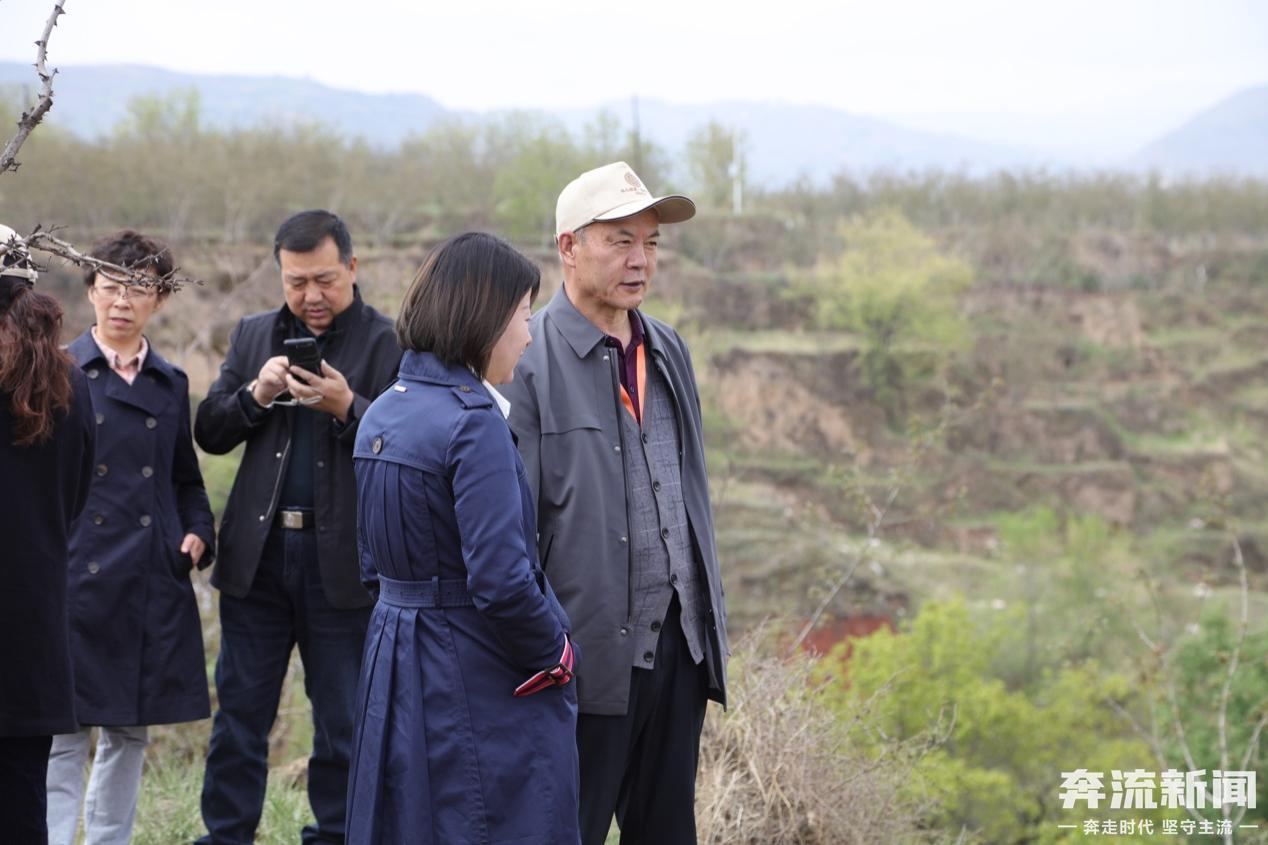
column 1138, row 789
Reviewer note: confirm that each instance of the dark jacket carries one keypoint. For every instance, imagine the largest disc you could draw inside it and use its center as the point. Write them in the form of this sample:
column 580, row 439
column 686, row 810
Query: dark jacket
column 361, row 345
column 444, row 752
column 42, row 489
column 136, row 639
column 565, row 408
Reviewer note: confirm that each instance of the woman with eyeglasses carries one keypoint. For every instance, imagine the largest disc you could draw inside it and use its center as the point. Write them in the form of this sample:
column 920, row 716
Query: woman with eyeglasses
column 46, row 448
column 135, row 635
column 466, row 717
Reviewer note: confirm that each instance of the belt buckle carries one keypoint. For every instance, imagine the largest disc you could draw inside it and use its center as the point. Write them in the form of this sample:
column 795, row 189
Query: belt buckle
column 293, row 520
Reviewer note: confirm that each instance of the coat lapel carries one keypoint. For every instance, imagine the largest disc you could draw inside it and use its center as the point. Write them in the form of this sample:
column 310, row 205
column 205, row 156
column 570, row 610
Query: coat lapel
column 149, row 391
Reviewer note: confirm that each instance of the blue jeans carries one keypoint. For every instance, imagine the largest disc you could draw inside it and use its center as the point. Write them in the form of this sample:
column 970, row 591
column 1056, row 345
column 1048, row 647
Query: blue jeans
column 286, row 606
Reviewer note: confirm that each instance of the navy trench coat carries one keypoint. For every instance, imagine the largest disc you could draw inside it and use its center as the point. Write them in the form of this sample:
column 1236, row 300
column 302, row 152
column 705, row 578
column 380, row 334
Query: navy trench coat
column 136, row 641
column 444, row 754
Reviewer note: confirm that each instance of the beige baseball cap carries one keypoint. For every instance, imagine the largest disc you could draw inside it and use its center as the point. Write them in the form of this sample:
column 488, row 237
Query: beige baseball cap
column 613, row 192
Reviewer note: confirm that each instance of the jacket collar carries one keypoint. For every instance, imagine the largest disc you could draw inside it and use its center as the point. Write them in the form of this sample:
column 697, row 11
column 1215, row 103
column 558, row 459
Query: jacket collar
column 424, row 366
column 582, row 335
column 287, row 323
column 84, row 351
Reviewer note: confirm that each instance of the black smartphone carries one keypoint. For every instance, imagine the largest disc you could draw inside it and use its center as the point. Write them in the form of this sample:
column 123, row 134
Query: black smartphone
column 302, row 352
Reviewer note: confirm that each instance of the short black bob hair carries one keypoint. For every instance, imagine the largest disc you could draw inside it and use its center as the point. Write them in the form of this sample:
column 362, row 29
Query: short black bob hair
column 463, row 297
column 305, row 231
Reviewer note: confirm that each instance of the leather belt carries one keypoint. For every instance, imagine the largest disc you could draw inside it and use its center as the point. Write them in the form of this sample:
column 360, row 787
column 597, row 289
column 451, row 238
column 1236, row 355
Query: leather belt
column 295, row 520
column 424, row 594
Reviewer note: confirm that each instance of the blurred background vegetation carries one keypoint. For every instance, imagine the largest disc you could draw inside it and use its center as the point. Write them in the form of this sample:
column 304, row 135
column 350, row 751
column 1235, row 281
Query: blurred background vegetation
column 987, row 453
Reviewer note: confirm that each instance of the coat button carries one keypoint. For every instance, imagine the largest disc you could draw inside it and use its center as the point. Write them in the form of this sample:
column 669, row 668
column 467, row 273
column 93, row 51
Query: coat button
column 648, row 657
column 625, row 539
column 377, row 445
column 616, row 448
column 145, row 520
column 98, row 519
column 465, row 389
column 147, row 471
column 101, row 418
column 645, row 437
column 656, row 486
column 101, row 470
column 263, row 517
column 94, row 568
column 624, row 630
column 321, row 465
column 278, row 456
column 150, row 422
column 673, row 579
column 656, row 625
column 664, row 533
column 94, row 373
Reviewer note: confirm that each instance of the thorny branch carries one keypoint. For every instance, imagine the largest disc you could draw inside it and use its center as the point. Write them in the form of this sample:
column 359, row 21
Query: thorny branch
column 141, row 274
column 30, row 119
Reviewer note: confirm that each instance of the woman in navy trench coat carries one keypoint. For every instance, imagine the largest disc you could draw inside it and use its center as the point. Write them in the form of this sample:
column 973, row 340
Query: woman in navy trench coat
column 136, row 638
column 448, row 750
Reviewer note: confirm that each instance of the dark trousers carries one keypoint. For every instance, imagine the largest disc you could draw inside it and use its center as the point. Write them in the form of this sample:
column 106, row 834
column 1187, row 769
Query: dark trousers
column 642, row 766
column 286, row 606
column 23, row 791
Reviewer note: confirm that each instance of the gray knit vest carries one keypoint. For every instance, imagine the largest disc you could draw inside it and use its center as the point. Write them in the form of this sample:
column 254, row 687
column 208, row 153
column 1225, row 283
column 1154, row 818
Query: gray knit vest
column 660, row 539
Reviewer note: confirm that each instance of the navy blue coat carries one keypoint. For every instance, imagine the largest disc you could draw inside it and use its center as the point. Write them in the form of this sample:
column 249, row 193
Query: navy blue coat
column 42, row 488
column 444, row 754
column 136, row 640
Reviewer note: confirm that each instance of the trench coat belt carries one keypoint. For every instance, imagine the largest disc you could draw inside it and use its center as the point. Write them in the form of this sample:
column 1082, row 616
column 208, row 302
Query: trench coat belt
column 424, row 594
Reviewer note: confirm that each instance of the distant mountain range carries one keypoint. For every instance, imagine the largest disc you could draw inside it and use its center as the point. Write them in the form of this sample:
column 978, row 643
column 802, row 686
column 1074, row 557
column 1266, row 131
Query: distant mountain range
column 1229, row 137
column 785, row 142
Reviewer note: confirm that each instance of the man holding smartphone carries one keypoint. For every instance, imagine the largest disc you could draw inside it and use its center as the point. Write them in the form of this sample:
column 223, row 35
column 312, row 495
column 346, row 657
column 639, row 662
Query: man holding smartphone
column 288, row 570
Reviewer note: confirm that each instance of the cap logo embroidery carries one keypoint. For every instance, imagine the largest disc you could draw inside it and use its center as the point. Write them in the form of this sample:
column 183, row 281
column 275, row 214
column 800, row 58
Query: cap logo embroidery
column 635, row 185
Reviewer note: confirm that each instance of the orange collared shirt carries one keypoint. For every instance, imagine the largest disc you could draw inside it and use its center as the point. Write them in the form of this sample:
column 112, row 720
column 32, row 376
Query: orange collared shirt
column 632, row 368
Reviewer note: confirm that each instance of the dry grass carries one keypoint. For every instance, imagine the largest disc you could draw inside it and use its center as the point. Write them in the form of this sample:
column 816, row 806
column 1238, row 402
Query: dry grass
column 779, row 767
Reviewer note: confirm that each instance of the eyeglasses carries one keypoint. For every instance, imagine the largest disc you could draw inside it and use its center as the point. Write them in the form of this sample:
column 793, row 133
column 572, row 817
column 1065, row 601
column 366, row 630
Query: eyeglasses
column 110, row 293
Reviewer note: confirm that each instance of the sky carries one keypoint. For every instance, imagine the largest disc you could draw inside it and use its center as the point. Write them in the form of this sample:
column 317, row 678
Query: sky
column 1101, row 77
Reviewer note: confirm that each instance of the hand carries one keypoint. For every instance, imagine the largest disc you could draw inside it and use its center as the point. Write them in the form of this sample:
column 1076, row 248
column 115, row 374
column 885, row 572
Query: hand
column 332, row 388
column 271, row 381
column 193, row 546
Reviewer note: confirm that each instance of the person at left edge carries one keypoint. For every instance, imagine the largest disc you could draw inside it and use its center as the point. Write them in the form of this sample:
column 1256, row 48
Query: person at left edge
column 46, row 443
column 136, row 640
column 287, row 569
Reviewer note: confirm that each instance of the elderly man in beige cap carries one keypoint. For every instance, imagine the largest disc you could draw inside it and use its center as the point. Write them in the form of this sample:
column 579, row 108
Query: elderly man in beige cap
column 607, row 414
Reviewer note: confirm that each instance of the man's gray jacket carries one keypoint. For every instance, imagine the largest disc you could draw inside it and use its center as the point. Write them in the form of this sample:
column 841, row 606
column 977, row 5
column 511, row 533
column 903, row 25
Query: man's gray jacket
column 565, row 411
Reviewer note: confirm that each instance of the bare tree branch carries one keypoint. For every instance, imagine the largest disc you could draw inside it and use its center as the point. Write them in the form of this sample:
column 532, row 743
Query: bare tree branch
column 142, row 274
column 1155, row 735
column 30, row 119
column 877, row 516
column 1243, row 623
